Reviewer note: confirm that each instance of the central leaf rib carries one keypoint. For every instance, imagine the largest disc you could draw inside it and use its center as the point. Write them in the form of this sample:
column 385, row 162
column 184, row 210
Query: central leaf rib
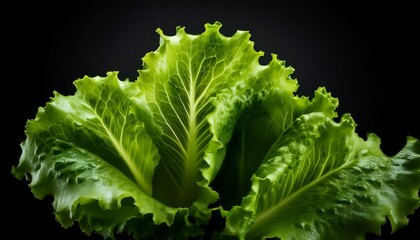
column 188, row 186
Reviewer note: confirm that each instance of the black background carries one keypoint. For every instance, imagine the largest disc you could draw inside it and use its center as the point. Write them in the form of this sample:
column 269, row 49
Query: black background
column 366, row 55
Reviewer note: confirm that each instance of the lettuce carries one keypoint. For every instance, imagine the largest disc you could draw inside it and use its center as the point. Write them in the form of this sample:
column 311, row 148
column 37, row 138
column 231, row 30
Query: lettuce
column 206, row 130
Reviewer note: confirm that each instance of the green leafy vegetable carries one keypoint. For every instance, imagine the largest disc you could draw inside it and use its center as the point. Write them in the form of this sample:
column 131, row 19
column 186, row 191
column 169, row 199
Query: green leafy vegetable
column 206, row 128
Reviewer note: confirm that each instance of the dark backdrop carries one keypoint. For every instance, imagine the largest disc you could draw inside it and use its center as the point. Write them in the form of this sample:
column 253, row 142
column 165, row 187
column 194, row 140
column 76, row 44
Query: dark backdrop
column 367, row 56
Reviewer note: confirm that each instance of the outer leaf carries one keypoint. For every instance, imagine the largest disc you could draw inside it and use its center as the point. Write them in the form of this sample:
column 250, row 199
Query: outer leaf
column 322, row 181
column 260, row 114
column 94, row 157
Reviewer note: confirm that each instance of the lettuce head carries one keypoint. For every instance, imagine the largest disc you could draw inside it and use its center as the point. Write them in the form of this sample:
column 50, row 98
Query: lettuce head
column 206, row 130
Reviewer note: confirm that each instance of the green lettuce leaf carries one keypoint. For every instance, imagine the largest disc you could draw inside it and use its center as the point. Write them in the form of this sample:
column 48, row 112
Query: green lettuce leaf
column 178, row 81
column 320, row 180
column 94, row 157
column 206, row 128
